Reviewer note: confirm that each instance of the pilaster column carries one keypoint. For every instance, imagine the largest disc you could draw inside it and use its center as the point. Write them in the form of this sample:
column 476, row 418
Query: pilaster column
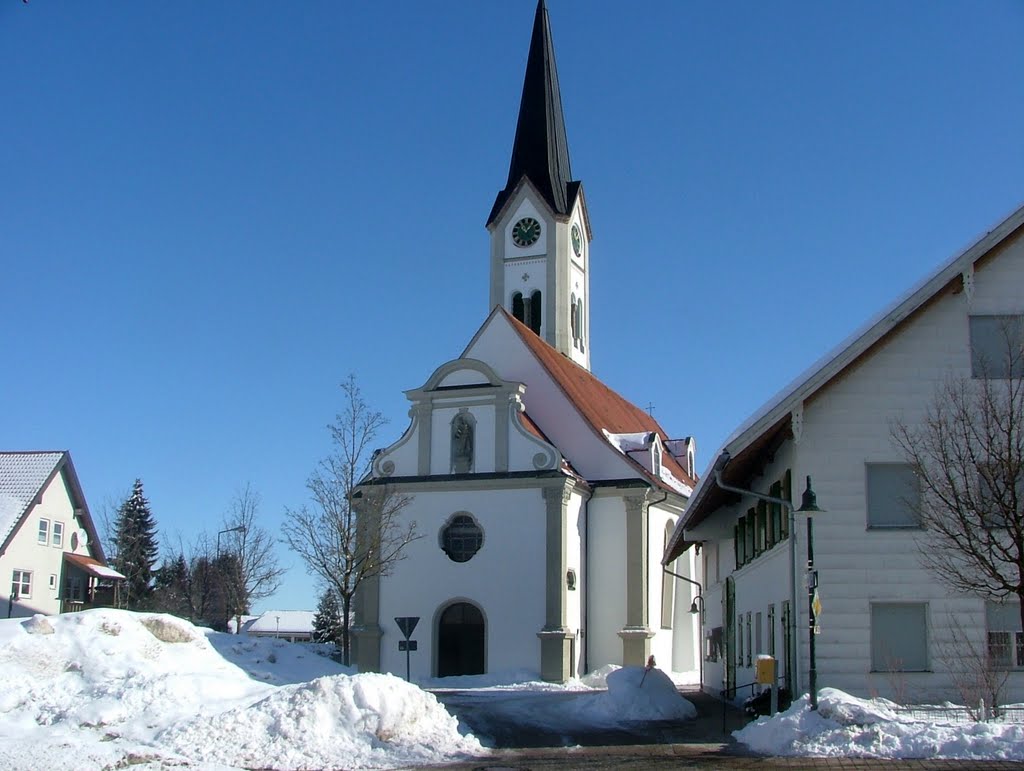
column 636, row 634
column 423, row 413
column 555, row 638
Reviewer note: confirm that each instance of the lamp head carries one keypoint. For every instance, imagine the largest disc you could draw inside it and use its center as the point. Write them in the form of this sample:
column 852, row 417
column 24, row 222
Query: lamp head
column 809, row 502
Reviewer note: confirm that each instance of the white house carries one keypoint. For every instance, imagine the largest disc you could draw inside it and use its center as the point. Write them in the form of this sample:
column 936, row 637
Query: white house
column 886, row 624
column 545, row 498
column 48, row 543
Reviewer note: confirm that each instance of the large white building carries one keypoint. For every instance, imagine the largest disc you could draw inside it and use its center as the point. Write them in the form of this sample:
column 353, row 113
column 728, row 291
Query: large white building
column 887, row 625
column 545, row 498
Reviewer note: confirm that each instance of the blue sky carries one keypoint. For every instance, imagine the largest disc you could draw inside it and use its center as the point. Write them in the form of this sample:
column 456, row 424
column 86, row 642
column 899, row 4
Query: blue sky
column 212, row 212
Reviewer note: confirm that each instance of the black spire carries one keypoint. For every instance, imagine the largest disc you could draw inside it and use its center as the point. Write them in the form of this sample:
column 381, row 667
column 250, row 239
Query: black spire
column 540, row 150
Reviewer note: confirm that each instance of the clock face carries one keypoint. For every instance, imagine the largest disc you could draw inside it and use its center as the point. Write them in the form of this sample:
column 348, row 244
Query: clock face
column 577, row 240
column 526, row 232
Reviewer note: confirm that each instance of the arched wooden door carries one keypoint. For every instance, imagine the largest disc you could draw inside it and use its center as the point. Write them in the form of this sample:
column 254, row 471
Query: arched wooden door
column 461, row 637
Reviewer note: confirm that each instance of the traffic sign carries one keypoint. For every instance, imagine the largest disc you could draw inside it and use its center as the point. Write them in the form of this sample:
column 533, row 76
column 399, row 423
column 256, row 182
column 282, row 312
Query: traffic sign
column 407, row 624
column 407, row 645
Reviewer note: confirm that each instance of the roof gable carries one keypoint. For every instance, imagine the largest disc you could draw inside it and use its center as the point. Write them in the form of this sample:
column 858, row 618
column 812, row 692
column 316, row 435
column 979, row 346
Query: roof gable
column 23, row 476
column 763, row 427
column 603, row 410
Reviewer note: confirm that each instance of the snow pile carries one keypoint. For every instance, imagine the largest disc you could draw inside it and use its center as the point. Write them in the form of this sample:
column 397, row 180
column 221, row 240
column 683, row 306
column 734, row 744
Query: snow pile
column 113, row 688
column 847, row 726
column 636, row 694
column 362, row 721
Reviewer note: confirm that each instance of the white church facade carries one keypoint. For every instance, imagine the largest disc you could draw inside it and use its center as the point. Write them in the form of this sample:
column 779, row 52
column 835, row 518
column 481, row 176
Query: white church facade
column 545, row 499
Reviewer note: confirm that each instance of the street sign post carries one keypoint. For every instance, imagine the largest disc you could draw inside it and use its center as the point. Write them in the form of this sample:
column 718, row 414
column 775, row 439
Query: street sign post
column 407, row 624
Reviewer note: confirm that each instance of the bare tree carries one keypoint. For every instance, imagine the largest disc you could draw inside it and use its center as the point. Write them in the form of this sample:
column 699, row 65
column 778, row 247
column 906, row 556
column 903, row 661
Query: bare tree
column 968, row 455
column 978, row 678
column 248, row 562
column 350, row 531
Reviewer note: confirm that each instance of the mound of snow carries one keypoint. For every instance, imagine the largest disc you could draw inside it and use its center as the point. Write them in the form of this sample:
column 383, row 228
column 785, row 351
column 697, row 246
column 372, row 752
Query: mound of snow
column 109, row 688
column 361, row 721
column 845, row 726
column 636, row 694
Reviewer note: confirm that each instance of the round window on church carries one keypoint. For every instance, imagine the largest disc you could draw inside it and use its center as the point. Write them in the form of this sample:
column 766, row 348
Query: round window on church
column 461, row 538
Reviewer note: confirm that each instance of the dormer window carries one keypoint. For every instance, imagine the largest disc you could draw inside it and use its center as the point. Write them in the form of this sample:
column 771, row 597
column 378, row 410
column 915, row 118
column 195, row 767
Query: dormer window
column 656, row 457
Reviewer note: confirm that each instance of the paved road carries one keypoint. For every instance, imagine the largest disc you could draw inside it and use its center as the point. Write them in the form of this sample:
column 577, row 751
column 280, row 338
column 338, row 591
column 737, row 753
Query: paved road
column 704, row 743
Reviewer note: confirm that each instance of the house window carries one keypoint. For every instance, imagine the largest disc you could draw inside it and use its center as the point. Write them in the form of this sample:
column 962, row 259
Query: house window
column 762, row 526
column 758, row 642
column 893, row 495
column 740, row 541
column 570, row 580
column 1005, row 639
column 58, row 535
column 750, row 647
column 53, row 580
column 21, row 583
column 997, row 346
column 44, row 531
column 751, row 527
column 656, row 458
column 461, row 538
column 771, row 630
column 775, row 515
column 739, row 640
column 899, row 636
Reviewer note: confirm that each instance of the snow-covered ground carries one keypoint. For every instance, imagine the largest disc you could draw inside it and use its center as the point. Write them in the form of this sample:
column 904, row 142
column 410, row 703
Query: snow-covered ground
column 847, row 726
column 110, row 688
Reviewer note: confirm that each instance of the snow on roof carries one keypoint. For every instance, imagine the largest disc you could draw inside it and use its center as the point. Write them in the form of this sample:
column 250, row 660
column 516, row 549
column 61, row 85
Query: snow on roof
column 22, row 476
column 92, row 566
column 290, row 621
column 640, row 441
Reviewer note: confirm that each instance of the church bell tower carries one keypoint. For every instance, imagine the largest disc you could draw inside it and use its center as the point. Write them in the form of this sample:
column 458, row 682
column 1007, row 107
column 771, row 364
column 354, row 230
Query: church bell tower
column 540, row 231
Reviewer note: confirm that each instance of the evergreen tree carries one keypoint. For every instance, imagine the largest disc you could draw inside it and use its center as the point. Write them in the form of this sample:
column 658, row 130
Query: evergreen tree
column 136, row 548
column 327, row 621
column 171, row 587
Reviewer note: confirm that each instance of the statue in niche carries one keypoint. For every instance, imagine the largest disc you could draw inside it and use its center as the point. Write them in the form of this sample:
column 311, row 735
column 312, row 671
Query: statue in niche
column 462, row 444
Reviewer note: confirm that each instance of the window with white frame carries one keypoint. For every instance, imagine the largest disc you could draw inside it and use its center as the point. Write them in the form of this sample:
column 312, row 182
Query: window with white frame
column 997, row 346
column 44, row 531
column 899, row 636
column 893, row 495
column 21, row 583
column 53, row 580
column 58, row 535
column 1005, row 639
column 739, row 640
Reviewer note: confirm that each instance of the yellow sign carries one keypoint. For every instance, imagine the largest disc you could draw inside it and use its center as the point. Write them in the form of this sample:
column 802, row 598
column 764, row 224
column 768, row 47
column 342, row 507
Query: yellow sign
column 765, row 671
column 816, row 604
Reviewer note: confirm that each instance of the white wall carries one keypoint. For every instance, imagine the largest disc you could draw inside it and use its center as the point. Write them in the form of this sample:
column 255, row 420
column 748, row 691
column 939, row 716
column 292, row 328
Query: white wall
column 606, row 595
column 505, row 578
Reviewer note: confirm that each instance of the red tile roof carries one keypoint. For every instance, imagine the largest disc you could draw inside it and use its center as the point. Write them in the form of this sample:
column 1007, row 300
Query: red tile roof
column 599, row 405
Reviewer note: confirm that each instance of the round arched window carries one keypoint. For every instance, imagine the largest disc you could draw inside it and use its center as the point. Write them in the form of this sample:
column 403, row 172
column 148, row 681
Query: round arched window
column 461, row 538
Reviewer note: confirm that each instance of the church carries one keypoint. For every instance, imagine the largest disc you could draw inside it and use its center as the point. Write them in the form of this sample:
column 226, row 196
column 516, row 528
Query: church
column 545, row 499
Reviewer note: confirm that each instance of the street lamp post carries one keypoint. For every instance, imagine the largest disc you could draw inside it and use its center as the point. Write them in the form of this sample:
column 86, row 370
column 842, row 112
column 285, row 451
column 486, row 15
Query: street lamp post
column 808, row 506
column 237, row 529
